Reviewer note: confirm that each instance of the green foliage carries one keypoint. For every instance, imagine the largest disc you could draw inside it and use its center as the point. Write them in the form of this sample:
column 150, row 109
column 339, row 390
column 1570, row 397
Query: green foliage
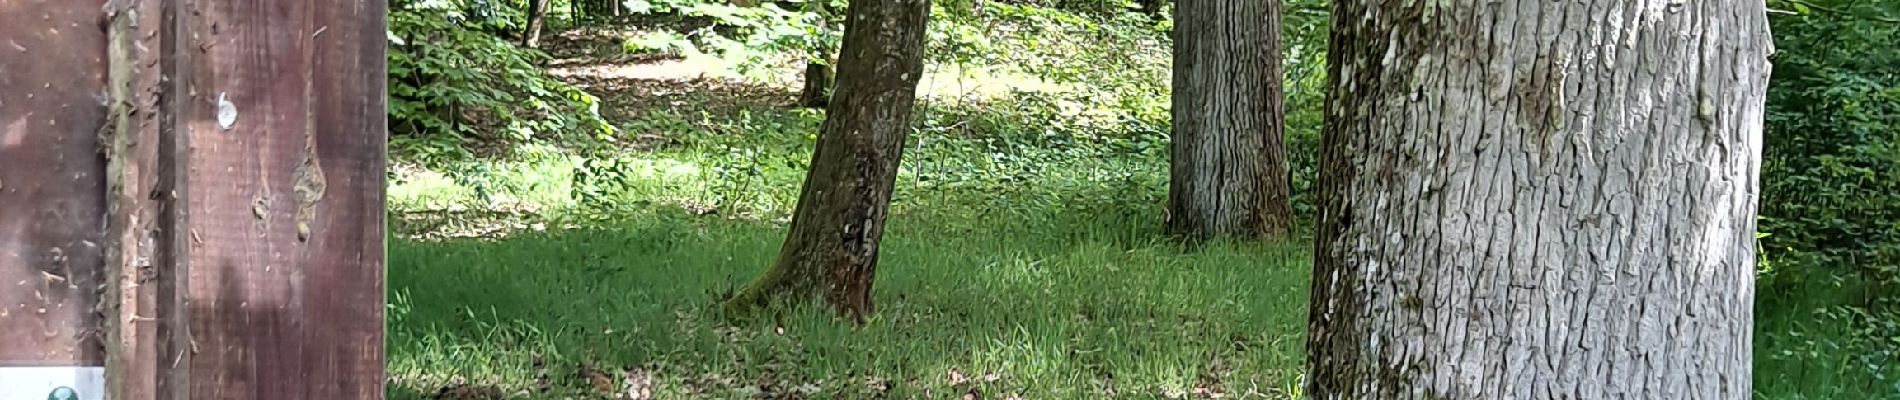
column 980, row 224
column 1124, row 105
column 1118, row 65
column 452, row 89
column 1035, row 195
column 1086, row 8
column 1832, row 197
column 488, row 16
column 1303, row 42
column 1053, row 177
column 753, row 39
column 1830, row 205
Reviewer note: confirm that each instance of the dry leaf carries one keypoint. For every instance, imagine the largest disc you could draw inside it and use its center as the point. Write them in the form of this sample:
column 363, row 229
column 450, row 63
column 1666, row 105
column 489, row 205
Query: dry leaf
column 637, row 385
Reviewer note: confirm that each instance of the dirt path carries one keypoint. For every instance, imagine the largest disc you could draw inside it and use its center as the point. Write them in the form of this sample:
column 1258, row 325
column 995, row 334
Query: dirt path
column 631, row 86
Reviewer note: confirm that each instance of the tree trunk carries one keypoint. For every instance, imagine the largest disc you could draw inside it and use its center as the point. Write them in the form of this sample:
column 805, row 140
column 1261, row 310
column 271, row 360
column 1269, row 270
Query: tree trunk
column 1228, row 173
column 1152, row 9
column 1537, row 200
column 537, row 16
column 817, row 90
column 831, row 251
column 817, row 85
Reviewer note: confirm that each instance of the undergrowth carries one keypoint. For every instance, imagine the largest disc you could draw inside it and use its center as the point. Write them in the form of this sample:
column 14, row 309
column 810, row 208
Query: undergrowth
column 1022, row 257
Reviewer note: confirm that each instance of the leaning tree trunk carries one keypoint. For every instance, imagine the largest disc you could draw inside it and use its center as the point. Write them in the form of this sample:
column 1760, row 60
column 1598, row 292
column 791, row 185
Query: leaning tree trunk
column 537, row 16
column 831, row 252
column 1228, row 173
column 1537, row 200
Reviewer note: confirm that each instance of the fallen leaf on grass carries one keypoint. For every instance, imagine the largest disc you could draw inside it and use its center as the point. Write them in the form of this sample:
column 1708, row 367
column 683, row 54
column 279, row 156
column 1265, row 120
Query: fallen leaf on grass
column 637, row 385
column 877, row 386
column 600, row 381
column 461, row 390
column 541, row 381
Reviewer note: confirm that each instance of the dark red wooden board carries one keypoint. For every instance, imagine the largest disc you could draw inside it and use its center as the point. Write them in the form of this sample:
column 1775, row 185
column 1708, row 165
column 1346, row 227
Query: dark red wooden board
column 52, row 182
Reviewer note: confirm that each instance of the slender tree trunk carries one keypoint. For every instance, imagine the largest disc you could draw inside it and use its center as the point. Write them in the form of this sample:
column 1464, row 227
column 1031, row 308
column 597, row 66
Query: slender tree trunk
column 831, row 251
column 817, row 91
column 1539, row 200
column 537, row 16
column 1152, row 8
column 1228, row 166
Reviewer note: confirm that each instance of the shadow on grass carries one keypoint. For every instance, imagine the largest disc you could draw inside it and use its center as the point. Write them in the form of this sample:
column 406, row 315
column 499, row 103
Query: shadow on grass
column 996, row 313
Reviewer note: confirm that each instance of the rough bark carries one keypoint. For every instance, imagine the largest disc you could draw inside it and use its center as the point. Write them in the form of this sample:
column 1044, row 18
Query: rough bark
column 817, row 92
column 1537, row 200
column 537, row 16
column 1228, row 165
column 145, row 331
column 1151, row 8
column 831, row 251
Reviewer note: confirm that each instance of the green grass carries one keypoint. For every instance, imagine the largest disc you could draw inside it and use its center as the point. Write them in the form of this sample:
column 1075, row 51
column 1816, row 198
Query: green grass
column 1022, row 258
column 1045, row 273
column 1009, row 268
column 1809, row 345
column 1044, row 311
column 1036, row 265
column 1050, row 318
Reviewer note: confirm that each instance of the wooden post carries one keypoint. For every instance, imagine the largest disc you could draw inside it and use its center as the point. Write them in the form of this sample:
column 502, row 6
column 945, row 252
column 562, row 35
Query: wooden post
column 216, row 167
column 139, row 143
column 285, row 178
column 52, row 204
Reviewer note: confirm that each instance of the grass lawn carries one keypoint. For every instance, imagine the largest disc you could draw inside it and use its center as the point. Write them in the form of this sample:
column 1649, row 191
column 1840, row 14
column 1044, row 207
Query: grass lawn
column 1023, row 260
column 1047, row 289
column 990, row 312
column 1029, row 293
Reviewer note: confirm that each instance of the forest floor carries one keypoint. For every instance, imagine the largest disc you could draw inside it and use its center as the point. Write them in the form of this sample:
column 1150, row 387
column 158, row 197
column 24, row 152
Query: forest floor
column 1019, row 268
column 996, row 280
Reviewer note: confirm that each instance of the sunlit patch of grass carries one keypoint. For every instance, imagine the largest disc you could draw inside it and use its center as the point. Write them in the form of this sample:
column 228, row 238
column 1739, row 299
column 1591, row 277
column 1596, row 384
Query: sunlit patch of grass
column 1023, row 257
column 1006, row 270
column 1811, row 343
column 1036, row 316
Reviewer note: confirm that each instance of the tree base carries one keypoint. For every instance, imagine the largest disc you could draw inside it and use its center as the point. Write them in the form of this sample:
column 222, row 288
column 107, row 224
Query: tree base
column 788, row 285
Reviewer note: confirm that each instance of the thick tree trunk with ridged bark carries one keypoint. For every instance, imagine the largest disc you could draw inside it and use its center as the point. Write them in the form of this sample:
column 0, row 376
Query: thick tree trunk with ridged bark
column 1228, row 173
column 831, row 252
column 1539, row 200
